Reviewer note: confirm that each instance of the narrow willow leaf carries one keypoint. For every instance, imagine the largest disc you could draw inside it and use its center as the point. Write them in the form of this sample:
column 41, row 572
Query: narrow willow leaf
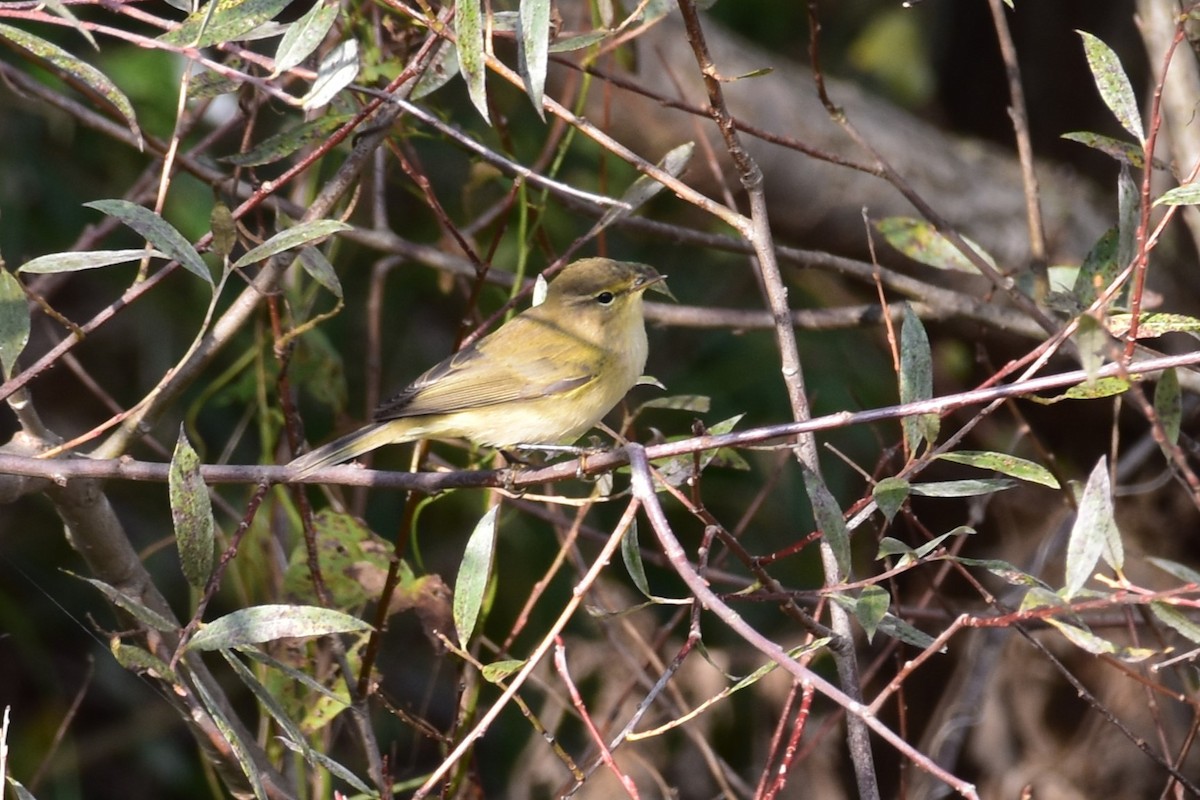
column 304, row 36
column 314, row 262
column 631, row 554
column 569, row 44
column 140, row 660
column 890, row 494
column 442, row 68
column 1180, row 571
column 157, row 231
column 302, row 234
column 468, row 31
column 267, row 623
column 965, row 488
column 284, row 143
column 1003, row 570
column 1132, row 154
column 14, row 321
column 936, row 542
column 60, row 9
column 830, row 522
column 695, row 403
column 337, row 70
column 207, row 83
column 916, row 380
column 871, row 608
column 1168, row 405
column 81, row 71
column 1083, row 638
column 1186, row 195
column 1104, row 387
column 470, row 587
column 1005, row 464
column 499, row 670
column 224, row 229
column 1098, row 269
column 646, row 187
column 1113, row 84
column 1172, row 616
column 220, row 21
column 1154, row 325
column 898, row 629
column 265, row 697
column 191, row 510
column 1129, row 204
column 319, row 759
column 889, row 546
column 141, row 612
column 1093, row 343
column 920, row 241
column 85, row 259
column 216, row 710
column 1094, row 532
column 533, row 43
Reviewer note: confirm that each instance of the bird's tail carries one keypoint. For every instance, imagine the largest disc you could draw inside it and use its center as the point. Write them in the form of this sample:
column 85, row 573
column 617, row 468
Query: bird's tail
column 347, row 447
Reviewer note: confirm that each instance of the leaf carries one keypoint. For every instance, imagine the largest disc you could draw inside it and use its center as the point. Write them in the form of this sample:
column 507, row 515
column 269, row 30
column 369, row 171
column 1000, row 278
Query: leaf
column 499, row 670
column 829, row 519
column 1005, row 464
column 631, row 554
column 441, row 70
column 224, row 230
column 304, row 36
column 1185, row 195
column 871, row 608
column 1183, row 624
column 569, row 44
column 1113, row 84
column 916, row 380
column 302, row 234
column 1094, row 532
column 337, row 70
column 1168, row 405
column 58, row 8
column 317, row 758
column 533, row 43
column 1132, row 154
column 1180, row 571
column 1003, row 570
column 14, row 321
column 141, row 612
column 1104, row 387
column 965, row 488
column 157, row 231
column 266, row 623
column 898, row 629
column 314, row 262
column 1093, row 343
column 1098, row 270
column 191, row 510
column 221, row 21
column 920, row 241
column 695, row 403
column 1154, row 325
column 284, row 143
column 217, row 710
column 140, row 660
column 646, row 187
column 81, row 71
column 890, row 494
column 468, row 31
column 474, row 573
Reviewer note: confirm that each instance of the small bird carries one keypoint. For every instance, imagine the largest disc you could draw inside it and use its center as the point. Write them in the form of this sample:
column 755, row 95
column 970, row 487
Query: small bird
column 545, row 377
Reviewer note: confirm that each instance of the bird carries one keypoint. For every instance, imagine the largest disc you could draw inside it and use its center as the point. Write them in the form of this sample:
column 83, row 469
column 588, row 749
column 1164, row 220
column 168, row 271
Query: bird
column 545, row 377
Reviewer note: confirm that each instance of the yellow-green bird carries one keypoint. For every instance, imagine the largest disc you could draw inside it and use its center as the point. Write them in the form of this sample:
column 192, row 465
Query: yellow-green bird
column 545, row 377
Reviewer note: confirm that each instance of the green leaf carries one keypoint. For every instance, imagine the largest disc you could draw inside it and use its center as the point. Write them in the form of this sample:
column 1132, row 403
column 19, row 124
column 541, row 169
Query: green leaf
column 936, row 542
column 916, row 380
column 297, row 236
column 441, row 70
column 191, row 510
column 1168, row 405
column 1172, row 616
column 59, row 9
column 468, row 31
column 267, row 623
column 1003, row 570
column 533, row 43
column 1093, row 342
column 646, row 187
column 1180, row 571
column 695, row 403
column 224, row 229
column 920, row 241
column 871, row 608
column 1104, row 387
column 499, row 670
column 286, row 142
column 830, row 522
column 221, row 21
column 141, row 660
column 81, row 71
column 217, row 710
column 319, row 759
column 898, row 629
column 337, row 70
column 965, row 488
column 631, row 554
column 1094, row 533
column 1132, row 154
column 890, row 494
column 1154, row 325
column 569, row 44
column 1186, row 195
column 1113, row 84
column 141, row 612
column 1098, row 270
column 474, row 573
column 314, row 262
column 1005, row 464
column 157, row 231
column 14, row 321
column 304, row 36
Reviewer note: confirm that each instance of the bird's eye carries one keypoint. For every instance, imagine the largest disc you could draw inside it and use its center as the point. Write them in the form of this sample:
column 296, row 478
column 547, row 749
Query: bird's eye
column 605, row 298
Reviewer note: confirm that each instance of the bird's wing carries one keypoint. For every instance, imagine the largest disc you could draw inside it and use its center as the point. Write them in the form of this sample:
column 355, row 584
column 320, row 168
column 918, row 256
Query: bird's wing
column 498, row 369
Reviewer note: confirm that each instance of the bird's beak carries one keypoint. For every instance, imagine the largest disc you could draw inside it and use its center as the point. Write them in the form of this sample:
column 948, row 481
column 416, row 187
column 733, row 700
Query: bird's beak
column 650, row 279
